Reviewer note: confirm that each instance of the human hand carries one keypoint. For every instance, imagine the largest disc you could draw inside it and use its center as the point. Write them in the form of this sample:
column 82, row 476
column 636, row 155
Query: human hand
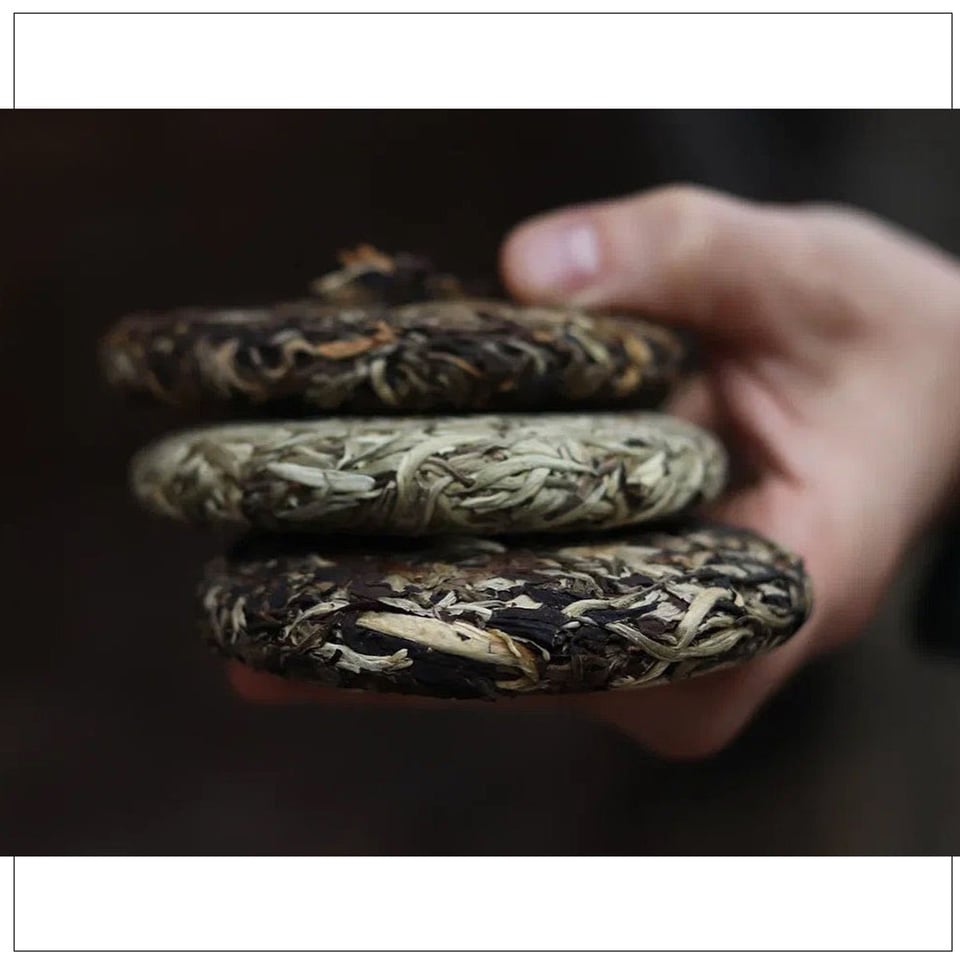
column 832, row 347
column 832, row 344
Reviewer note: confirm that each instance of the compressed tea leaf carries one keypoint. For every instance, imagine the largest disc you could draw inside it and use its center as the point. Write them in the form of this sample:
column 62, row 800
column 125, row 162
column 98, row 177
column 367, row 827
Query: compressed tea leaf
column 369, row 276
column 473, row 618
column 475, row 474
column 371, row 357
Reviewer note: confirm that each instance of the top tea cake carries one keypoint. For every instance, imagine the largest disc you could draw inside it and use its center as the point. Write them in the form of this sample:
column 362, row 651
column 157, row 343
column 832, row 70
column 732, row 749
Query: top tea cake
column 388, row 335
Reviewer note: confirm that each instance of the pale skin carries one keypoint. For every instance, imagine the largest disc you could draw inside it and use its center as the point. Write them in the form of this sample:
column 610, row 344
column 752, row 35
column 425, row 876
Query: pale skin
column 831, row 369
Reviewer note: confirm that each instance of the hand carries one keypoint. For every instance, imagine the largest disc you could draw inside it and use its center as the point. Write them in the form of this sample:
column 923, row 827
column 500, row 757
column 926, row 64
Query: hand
column 832, row 370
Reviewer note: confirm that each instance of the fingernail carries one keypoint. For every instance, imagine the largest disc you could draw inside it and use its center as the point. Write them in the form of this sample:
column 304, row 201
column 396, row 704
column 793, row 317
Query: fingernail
column 557, row 259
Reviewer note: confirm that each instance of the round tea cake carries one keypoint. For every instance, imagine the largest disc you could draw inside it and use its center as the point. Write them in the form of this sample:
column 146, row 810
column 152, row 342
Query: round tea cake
column 474, row 474
column 442, row 355
column 473, row 618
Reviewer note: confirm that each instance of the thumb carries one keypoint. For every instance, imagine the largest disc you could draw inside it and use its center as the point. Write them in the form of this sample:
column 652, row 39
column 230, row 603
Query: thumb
column 678, row 253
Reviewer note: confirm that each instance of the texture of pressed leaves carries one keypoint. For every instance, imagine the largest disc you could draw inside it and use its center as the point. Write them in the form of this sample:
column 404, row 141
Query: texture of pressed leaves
column 441, row 355
column 471, row 618
column 480, row 474
column 450, row 617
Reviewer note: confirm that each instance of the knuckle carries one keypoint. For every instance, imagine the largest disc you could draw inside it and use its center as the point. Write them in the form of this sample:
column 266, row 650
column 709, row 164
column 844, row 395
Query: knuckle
column 688, row 216
column 691, row 230
column 833, row 217
column 683, row 197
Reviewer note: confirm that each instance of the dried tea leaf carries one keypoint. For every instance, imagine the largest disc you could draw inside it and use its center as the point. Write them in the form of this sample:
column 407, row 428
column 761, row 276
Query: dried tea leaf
column 477, row 474
column 371, row 357
column 471, row 618
column 369, row 276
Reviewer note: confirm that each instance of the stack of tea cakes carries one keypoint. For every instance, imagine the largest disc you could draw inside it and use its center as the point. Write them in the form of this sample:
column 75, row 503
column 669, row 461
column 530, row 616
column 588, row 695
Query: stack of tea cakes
column 449, row 496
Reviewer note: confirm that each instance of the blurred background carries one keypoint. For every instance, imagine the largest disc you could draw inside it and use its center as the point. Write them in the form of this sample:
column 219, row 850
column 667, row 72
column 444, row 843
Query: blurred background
column 118, row 734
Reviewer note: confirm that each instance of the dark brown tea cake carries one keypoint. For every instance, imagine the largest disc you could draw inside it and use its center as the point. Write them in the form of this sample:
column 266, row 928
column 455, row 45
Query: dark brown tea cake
column 474, row 618
column 433, row 356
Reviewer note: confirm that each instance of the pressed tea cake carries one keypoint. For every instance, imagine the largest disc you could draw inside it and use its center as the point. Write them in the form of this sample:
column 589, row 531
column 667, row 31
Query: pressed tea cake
column 441, row 615
column 389, row 335
column 464, row 617
column 477, row 474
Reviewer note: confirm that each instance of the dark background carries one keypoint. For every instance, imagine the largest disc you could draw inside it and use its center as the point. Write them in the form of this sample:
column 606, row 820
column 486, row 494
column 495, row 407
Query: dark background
column 117, row 731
